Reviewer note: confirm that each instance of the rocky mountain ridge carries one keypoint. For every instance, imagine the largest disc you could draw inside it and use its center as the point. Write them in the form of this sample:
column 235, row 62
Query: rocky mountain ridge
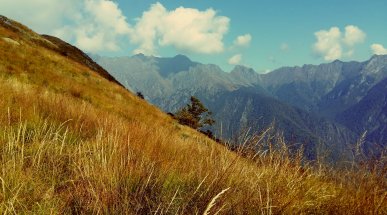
column 306, row 102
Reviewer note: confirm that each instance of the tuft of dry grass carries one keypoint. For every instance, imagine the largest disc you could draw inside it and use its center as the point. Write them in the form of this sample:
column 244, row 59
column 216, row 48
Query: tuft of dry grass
column 72, row 143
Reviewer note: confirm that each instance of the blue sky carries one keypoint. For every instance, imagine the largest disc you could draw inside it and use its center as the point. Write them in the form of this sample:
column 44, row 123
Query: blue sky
column 271, row 33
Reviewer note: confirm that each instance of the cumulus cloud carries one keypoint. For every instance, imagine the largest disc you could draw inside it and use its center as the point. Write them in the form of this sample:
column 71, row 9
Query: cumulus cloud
column 92, row 25
column 353, row 35
column 332, row 44
column 186, row 29
column 328, row 43
column 243, row 40
column 97, row 28
column 236, row 59
column 99, row 25
column 378, row 49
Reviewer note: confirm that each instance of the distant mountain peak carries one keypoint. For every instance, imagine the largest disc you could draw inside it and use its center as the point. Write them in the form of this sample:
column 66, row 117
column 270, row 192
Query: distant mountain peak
column 240, row 69
column 337, row 61
column 174, row 65
column 377, row 63
column 245, row 75
column 378, row 58
column 181, row 57
column 140, row 56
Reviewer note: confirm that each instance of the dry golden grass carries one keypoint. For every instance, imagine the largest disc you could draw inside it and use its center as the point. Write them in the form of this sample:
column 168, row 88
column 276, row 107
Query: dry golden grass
column 72, row 142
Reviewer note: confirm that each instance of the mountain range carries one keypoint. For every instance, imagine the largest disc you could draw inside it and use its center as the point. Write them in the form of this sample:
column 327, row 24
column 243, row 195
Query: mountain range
column 321, row 107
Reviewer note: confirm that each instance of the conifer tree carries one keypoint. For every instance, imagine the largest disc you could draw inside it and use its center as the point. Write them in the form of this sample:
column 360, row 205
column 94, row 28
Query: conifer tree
column 195, row 115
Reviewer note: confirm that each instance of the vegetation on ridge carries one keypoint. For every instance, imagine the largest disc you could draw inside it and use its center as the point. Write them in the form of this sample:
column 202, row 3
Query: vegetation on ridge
column 194, row 115
column 72, row 142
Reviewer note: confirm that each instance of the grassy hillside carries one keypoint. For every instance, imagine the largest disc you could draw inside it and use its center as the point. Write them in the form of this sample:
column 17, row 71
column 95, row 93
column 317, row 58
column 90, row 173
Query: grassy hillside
column 73, row 142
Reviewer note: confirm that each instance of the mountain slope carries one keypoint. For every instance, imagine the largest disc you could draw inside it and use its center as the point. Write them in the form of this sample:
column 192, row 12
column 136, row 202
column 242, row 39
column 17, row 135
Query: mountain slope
column 77, row 55
column 370, row 114
column 245, row 109
column 74, row 142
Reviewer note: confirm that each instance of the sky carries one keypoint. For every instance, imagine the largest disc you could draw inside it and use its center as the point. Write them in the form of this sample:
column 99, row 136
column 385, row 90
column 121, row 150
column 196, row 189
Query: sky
column 261, row 34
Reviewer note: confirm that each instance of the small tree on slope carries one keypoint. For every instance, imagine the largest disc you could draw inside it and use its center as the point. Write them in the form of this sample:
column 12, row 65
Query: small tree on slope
column 195, row 115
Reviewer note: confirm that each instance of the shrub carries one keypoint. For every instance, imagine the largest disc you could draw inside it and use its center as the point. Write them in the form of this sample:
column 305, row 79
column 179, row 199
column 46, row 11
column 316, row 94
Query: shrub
column 140, row 95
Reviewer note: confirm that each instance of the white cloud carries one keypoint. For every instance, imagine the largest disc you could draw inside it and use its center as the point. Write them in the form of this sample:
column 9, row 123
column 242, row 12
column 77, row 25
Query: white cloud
column 243, row 40
column 107, row 14
column 236, row 59
column 186, row 29
column 99, row 25
column 332, row 45
column 378, row 49
column 92, row 25
column 328, row 43
column 93, row 30
column 353, row 35
column 284, row 47
column 146, row 30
